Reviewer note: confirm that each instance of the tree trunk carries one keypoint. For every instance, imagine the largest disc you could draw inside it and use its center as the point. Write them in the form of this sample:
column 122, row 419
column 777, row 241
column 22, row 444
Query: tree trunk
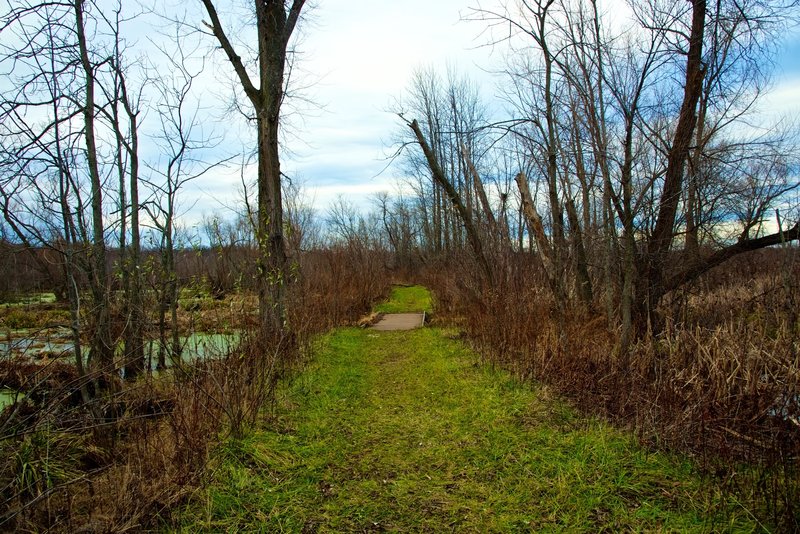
column 692, row 246
column 535, row 225
column 130, row 260
column 660, row 241
column 271, row 19
column 583, row 279
column 536, row 229
column 272, row 252
column 481, row 193
column 556, row 212
column 102, row 349
column 274, row 27
column 134, row 341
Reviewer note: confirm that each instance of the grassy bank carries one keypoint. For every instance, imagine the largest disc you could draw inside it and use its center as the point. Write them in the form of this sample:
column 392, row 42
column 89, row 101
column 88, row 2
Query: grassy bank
column 404, row 431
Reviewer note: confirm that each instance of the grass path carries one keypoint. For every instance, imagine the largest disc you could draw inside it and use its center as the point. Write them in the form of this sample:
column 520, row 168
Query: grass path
column 405, row 431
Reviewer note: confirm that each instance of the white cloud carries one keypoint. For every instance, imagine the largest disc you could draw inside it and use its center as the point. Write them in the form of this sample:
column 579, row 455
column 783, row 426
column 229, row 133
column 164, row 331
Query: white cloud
column 784, row 98
column 364, row 53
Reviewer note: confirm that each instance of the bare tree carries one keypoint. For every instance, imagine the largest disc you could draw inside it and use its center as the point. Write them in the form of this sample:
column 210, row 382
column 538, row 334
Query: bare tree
column 41, row 199
column 123, row 118
column 275, row 23
column 180, row 139
column 44, row 187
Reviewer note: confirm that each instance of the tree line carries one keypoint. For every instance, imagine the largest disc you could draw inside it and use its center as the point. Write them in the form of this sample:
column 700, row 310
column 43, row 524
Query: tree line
column 628, row 162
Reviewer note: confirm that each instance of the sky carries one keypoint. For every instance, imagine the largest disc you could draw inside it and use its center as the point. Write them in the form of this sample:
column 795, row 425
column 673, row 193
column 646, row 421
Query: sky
column 358, row 56
column 366, row 52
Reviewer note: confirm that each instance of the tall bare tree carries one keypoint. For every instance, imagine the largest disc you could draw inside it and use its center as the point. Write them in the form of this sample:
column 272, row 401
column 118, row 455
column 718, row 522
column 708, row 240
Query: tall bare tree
column 123, row 118
column 180, row 138
column 275, row 22
column 102, row 346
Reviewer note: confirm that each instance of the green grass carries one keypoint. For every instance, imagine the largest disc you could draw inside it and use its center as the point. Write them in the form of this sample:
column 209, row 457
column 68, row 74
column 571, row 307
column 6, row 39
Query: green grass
column 407, row 299
column 406, row 432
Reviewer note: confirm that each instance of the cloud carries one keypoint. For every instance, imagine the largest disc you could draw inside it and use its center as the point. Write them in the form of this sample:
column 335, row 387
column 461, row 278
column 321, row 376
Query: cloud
column 363, row 54
column 784, row 98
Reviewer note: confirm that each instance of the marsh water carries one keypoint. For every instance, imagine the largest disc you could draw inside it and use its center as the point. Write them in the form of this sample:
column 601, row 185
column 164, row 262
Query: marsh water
column 46, row 345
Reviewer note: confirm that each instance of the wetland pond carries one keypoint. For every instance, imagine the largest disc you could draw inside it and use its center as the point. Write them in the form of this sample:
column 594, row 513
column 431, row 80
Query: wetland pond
column 47, row 345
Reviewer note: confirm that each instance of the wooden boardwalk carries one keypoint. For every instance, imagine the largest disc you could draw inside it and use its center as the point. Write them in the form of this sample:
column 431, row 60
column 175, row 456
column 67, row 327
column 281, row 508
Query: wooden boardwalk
column 400, row 321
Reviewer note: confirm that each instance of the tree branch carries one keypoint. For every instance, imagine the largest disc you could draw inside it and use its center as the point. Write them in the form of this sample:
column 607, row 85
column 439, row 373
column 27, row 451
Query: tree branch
column 216, row 27
column 291, row 20
column 723, row 255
